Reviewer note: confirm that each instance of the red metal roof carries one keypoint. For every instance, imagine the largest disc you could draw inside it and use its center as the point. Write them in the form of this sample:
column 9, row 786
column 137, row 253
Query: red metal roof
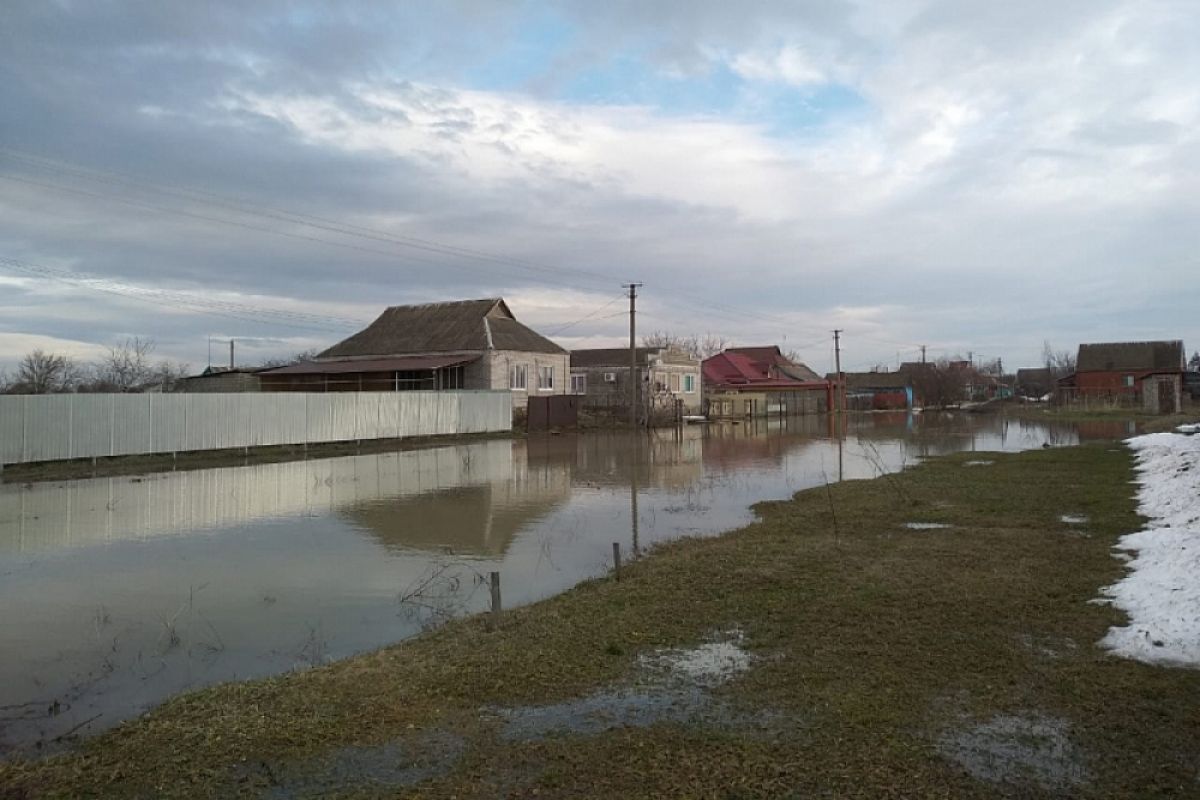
column 736, row 370
column 398, row 364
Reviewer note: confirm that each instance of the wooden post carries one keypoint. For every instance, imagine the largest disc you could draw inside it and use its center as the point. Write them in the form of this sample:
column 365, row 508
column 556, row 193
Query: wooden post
column 617, row 560
column 495, row 582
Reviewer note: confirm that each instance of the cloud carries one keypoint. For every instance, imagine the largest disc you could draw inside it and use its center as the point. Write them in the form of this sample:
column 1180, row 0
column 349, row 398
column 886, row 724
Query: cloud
column 963, row 175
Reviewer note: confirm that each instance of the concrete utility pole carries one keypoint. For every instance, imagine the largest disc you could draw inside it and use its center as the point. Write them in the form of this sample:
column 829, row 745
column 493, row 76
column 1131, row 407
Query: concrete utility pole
column 633, row 374
column 922, row 354
column 231, row 365
column 841, row 380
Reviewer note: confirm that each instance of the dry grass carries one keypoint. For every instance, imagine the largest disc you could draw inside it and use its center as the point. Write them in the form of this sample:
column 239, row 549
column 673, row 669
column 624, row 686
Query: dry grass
column 875, row 643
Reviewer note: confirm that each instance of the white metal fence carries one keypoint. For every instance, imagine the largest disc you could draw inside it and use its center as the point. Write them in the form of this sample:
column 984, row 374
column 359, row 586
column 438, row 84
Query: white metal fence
column 53, row 427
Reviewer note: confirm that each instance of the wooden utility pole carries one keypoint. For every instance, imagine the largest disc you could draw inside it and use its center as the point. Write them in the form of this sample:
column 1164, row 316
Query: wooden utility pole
column 231, row 364
column 922, row 354
column 633, row 372
column 841, row 380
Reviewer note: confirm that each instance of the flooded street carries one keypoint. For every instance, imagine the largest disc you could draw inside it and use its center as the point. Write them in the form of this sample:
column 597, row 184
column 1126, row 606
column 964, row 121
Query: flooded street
column 120, row 592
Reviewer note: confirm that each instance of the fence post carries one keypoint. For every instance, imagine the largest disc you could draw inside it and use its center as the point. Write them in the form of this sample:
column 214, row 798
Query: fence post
column 494, row 579
column 617, row 560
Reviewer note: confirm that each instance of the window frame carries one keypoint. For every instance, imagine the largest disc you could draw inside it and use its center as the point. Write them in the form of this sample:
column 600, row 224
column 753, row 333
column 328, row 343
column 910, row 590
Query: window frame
column 521, row 371
column 579, row 383
column 545, row 371
column 689, row 383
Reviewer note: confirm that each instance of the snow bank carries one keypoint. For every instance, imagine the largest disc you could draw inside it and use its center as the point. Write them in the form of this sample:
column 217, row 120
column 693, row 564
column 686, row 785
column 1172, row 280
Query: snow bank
column 1161, row 594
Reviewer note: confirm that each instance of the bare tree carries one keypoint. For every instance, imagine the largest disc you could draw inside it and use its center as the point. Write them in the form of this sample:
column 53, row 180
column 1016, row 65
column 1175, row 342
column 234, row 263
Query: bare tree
column 125, row 366
column 1059, row 362
column 698, row 347
column 941, row 383
column 1194, row 362
column 5, row 382
column 46, row 373
column 307, row 355
column 168, row 373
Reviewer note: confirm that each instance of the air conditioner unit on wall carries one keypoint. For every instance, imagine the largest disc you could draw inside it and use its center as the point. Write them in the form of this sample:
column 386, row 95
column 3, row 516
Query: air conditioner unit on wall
column 610, row 377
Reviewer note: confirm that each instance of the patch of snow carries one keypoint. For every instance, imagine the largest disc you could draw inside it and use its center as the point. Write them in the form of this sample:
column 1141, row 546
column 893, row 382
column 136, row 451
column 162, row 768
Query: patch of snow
column 1161, row 594
column 925, row 526
column 978, row 463
column 1190, row 428
column 1074, row 519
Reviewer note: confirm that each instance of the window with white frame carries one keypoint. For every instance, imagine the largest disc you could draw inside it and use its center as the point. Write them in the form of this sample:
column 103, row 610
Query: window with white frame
column 674, row 381
column 545, row 378
column 689, row 383
column 1129, row 380
column 518, row 377
column 579, row 384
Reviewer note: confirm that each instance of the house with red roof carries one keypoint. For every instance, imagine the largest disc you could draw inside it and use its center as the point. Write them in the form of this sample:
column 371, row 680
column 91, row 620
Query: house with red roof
column 761, row 382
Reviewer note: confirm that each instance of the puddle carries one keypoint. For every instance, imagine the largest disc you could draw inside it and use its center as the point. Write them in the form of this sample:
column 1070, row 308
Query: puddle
column 672, row 686
column 709, row 665
column 1074, row 519
column 1021, row 749
column 926, row 526
column 978, row 463
column 386, row 766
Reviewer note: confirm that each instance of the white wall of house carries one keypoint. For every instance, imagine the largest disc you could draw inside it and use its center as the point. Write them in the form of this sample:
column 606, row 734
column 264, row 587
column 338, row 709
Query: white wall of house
column 500, row 365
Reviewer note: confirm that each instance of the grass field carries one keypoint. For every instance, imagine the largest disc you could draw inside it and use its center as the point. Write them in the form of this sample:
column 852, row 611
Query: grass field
column 824, row 651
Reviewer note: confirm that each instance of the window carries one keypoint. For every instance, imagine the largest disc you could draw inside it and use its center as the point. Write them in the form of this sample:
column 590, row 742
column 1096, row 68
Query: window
column 545, row 378
column 579, row 384
column 674, row 381
column 517, row 377
column 689, row 383
column 1129, row 380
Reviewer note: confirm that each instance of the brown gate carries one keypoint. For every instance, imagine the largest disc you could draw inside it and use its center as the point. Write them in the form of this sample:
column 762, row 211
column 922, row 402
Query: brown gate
column 555, row 411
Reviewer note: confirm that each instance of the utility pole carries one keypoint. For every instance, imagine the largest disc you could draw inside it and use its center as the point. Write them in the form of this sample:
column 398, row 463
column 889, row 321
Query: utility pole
column 633, row 373
column 837, row 360
column 922, row 354
column 231, row 354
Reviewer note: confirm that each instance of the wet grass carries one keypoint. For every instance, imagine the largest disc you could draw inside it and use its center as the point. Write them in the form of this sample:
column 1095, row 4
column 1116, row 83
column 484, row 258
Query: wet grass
column 887, row 662
column 1145, row 421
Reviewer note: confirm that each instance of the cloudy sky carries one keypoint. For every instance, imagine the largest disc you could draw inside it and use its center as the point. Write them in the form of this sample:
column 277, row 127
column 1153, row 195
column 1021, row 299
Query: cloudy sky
column 971, row 176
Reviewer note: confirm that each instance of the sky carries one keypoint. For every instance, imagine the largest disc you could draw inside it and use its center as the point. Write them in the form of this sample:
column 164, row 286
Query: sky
column 973, row 177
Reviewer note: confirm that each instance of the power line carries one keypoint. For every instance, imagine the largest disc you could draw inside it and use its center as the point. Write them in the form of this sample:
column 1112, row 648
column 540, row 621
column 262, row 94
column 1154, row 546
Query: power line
column 292, row 217
column 337, row 227
column 187, row 301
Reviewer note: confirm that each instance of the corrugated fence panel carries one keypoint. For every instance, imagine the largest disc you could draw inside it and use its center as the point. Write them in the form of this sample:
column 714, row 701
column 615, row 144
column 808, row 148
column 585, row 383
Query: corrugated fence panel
column 131, row 424
column 48, row 429
column 54, row 427
column 166, row 422
column 91, row 425
column 12, row 424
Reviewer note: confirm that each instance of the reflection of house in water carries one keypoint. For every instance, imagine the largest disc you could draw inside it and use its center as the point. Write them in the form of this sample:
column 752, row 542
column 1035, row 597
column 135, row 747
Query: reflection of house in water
column 45, row 517
column 473, row 519
column 665, row 459
column 764, row 441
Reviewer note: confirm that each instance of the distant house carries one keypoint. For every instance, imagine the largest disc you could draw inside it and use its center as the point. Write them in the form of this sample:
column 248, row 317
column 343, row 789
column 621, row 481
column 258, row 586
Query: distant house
column 759, row 382
column 466, row 344
column 667, row 375
column 1149, row 374
column 1035, row 383
column 876, row 391
column 221, row 379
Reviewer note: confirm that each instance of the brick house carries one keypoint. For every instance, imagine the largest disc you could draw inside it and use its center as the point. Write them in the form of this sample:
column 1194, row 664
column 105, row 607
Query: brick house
column 1149, row 374
column 667, row 375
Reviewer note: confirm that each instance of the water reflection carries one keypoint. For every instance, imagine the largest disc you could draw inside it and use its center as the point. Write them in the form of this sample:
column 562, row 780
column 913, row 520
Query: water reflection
column 119, row 592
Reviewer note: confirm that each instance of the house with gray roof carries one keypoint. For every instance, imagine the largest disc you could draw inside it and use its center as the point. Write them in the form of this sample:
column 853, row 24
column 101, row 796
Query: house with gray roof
column 465, row 344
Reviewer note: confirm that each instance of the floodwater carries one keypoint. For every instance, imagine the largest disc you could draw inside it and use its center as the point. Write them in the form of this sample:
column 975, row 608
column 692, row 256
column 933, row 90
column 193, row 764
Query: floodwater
column 120, row 592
